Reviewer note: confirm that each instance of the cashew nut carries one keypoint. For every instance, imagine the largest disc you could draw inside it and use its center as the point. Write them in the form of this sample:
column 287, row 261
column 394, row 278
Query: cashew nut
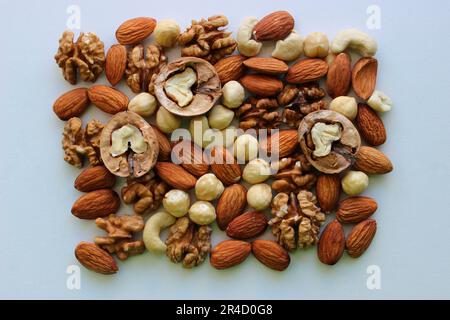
column 127, row 137
column 246, row 45
column 380, row 102
column 179, row 86
column 356, row 40
column 153, row 227
column 323, row 136
column 290, row 48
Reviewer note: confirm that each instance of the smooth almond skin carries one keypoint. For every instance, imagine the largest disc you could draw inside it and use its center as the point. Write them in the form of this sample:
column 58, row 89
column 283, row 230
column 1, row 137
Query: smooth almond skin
column 194, row 160
column 331, row 243
column 71, row 104
column 165, row 148
column 307, row 70
column 287, row 143
column 96, row 259
column 94, row 178
column 175, row 176
column 372, row 161
column 247, row 225
column 116, row 63
column 96, row 204
column 328, row 191
column 360, row 237
column 270, row 66
column 262, row 85
column 231, row 204
column 275, row 26
column 370, row 125
column 364, row 77
column 230, row 68
column 356, row 209
column 108, row 99
column 229, row 253
column 339, row 76
column 224, row 166
column 271, row 254
column 135, row 30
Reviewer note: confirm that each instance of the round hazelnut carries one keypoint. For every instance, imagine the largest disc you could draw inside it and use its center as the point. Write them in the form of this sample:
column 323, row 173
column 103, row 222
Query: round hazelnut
column 220, row 117
column 346, row 106
column 259, row 196
column 256, row 171
column 355, row 182
column 144, row 104
column 316, row 45
column 246, row 148
column 233, row 94
column 198, row 127
column 208, row 187
column 166, row 32
column 202, row 213
column 166, row 121
column 177, row 202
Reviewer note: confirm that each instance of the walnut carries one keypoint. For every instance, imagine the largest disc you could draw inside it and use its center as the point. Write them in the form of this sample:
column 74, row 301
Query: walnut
column 203, row 39
column 78, row 143
column 87, row 56
column 259, row 114
column 120, row 235
column 188, row 243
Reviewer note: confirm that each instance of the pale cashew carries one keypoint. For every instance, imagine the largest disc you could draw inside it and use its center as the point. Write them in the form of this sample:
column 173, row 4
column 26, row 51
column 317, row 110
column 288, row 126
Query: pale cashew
column 246, row 45
column 380, row 102
column 125, row 137
column 356, row 40
column 290, row 48
column 153, row 227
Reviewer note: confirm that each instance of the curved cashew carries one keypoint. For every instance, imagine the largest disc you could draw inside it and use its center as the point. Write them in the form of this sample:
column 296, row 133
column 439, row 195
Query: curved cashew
column 380, row 102
column 356, row 40
column 246, row 45
column 290, row 48
column 156, row 223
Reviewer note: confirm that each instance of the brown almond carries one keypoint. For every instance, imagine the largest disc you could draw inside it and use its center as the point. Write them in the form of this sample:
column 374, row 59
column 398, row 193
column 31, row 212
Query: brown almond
column 175, row 176
column 95, row 258
column 96, row 204
column 116, row 63
column 229, row 253
column 231, row 204
column 370, row 125
column 360, row 237
column 364, row 77
column 339, row 76
column 266, row 65
column 307, row 70
column 191, row 157
column 372, row 161
column 275, row 26
column 331, row 243
column 284, row 141
column 135, row 30
column 271, row 254
column 108, row 99
column 262, row 85
column 247, row 225
column 356, row 209
column 165, row 148
column 328, row 191
column 71, row 104
column 230, row 68
column 224, row 166
column 95, row 178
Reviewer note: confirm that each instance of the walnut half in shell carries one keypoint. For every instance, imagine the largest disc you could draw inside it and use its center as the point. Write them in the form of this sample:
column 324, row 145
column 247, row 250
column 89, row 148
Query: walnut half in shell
column 128, row 145
column 329, row 141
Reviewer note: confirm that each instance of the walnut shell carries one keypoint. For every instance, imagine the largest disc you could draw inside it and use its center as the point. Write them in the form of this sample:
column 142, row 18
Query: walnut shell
column 206, row 91
column 129, row 164
column 343, row 152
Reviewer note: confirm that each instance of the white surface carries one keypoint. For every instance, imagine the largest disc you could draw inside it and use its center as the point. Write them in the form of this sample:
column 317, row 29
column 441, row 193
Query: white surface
column 38, row 234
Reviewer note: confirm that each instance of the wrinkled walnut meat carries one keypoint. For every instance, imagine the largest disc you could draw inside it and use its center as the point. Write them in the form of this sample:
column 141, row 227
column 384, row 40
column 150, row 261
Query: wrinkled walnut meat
column 203, row 39
column 188, row 243
column 297, row 220
column 87, row 56
column 120, row 231
column 78, row 143
column 176, row 78
column 343, row 143
column 259, row 114
column 146, row 193
column 128, row 129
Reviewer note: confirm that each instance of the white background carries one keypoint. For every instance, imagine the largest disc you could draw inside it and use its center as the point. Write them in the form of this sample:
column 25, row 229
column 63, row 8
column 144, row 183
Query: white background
column 38, row 234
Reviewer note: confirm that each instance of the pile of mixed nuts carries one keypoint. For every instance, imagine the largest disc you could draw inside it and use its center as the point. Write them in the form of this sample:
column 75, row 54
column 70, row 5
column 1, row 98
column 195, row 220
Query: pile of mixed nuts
column 260, row 135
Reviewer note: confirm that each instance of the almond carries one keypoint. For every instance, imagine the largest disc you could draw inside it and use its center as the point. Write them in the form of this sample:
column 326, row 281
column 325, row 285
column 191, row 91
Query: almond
column 275, row 26
column 116, row 63
column 175, row 176
column 165, row 148
column 328, row 191
column 96, row 204
column 108, row 99
column 262, row 85
column 364, row 77
column 331, row 243
column 287, row 141
column 307, row 70
column 247, row 225
column 135, row 30
column 356, row 209
column 230, row 68
column 339, row 76
column 229, row 253
column 95, row 258
column 191, row 157
column 370, row 125
column 94, row 178
column 71, row 104
column 224, row 166
column 372, row 161
column 231, row 204
column 266, row 65
column 360, row 237
column 271, row 254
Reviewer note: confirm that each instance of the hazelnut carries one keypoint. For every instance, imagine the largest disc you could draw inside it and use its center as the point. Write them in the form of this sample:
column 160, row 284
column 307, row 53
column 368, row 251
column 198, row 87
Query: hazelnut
column 246, row 148
column 198, row 127
column 166, row 121
column 259, row 196
column 233, row 94
column 316, row 45
column 220, row 117
column 256, row 171
column 166, row 32
column 355, row 182
column 202, row 213
column 208, row 187
column 177, row 203
column 144, row 104
column 346, row 106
